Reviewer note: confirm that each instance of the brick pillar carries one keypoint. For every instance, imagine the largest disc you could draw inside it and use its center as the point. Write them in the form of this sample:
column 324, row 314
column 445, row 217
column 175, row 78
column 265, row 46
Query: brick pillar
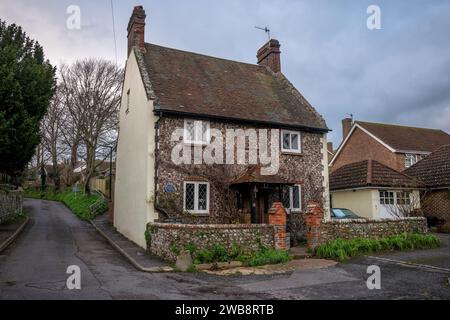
column 277, row 218
column 314, row 216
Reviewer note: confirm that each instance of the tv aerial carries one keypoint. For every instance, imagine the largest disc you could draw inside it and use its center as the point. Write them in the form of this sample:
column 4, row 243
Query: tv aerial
column 265, row 29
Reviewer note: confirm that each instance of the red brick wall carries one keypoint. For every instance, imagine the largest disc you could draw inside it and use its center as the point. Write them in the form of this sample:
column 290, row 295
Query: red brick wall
column 437, row 205
column 362, row 147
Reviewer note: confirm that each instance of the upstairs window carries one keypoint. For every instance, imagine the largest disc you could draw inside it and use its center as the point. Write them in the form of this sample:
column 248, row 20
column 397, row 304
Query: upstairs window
column 292, row 198
column 196, row 197
column 410, row 160
column 196, row 132
column 291, row 141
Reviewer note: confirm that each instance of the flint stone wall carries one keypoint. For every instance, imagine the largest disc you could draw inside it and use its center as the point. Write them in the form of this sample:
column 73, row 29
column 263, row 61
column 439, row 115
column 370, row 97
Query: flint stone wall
column 10, row 204
column 168, row 240
column 361, row 228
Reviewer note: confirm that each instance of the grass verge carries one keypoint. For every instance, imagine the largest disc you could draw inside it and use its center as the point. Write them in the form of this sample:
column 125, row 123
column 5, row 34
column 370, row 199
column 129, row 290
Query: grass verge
column 343, row 249
column 218, row 253
column 79, row 202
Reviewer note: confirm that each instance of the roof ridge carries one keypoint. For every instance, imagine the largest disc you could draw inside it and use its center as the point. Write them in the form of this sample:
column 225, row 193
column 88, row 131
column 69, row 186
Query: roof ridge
column 206, row 55
column 399, row 126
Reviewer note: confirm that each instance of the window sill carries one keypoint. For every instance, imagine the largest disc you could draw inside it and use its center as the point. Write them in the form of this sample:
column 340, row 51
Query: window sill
column 196, row 144
column 198, row 214
column 292, row 153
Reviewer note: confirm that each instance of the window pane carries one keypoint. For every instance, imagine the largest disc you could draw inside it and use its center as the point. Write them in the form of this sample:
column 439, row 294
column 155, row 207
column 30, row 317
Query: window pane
column 296, row 197
column 286, row 141
column 286, row 198
column 202, row 196
column 190, row 131
column 295, row 142
column 189, row 196
column 205, row 131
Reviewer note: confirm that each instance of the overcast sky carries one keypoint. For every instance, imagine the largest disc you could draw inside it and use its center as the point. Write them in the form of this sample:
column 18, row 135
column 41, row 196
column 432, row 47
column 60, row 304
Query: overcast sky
column 399, row 74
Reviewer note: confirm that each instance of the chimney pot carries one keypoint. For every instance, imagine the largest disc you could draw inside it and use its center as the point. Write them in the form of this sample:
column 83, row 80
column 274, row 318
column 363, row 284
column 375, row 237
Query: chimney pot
column 346, row 127
column 136, row 29
column 269, row 55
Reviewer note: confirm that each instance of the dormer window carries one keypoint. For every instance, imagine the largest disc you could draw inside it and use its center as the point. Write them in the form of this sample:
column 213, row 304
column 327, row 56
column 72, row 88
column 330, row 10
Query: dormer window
column 410, row 160
column 196, row 132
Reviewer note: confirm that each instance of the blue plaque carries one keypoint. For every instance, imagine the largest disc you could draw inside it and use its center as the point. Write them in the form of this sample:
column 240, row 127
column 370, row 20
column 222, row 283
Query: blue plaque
column 170, row 188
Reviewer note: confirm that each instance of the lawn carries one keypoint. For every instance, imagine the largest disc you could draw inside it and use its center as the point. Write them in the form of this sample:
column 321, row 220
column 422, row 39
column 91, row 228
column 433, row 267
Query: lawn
column 79, row 203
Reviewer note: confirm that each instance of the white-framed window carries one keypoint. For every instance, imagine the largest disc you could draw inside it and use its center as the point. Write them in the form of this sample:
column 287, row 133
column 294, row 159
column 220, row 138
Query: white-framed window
column 196, row 197
column 395, row 198
column 411, row 159
column 403, row 198
column 291, row 141
column 196, row 132
column 387, row 197
column 292, row 198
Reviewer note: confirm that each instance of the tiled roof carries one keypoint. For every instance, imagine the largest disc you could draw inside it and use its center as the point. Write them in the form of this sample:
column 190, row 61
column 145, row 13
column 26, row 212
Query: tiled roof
column 199, row 85
column 433, row 170
column 404, row 138
column 369, row 173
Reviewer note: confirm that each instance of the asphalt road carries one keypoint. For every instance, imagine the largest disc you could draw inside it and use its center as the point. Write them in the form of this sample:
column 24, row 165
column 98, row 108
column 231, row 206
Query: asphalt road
column 35, row 268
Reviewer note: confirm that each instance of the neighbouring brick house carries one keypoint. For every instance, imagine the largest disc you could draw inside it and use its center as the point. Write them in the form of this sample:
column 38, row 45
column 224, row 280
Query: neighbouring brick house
column 374, row 191
column 398, row 147
column 168, row 91
column 434, row 172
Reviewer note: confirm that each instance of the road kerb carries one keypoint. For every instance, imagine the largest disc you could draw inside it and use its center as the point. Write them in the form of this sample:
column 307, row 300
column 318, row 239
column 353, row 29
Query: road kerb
column 128, row 257
column 14, row 236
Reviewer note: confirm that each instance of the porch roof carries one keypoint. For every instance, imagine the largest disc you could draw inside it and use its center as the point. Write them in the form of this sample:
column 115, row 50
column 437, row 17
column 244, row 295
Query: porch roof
column 253, row 176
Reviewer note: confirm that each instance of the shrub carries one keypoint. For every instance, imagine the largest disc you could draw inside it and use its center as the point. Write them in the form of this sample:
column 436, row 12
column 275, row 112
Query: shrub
column 344, row 249
column 267, row 256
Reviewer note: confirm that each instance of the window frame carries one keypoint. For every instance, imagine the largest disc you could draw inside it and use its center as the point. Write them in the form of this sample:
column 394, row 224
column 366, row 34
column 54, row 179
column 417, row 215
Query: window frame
column 196, row 197
column 291, row 150
column 197, row 124
column 399, row 198
column 410, row 160
column 291, row 198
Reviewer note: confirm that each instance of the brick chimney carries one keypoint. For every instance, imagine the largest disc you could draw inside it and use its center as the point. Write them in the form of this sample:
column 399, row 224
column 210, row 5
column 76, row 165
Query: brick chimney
column 269, row 55
column 136, row 29
column 346, row 127
column 330, row 147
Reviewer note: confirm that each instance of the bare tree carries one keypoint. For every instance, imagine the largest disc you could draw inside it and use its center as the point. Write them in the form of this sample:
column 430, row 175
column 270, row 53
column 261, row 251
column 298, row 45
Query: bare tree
column 92, row 90
column 51, row 128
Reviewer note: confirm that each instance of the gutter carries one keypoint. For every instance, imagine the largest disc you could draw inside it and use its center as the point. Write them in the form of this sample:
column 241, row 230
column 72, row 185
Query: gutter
column 161, row 112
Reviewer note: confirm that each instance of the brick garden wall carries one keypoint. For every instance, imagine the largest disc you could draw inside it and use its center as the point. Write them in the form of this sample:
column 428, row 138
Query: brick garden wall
column 168, row 240
column 10, row 204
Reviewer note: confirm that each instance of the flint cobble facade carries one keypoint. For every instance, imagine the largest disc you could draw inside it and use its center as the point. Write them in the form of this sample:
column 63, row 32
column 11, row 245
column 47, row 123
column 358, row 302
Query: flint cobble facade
column 10, row 204
column 306, row 169
column 168, row 240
